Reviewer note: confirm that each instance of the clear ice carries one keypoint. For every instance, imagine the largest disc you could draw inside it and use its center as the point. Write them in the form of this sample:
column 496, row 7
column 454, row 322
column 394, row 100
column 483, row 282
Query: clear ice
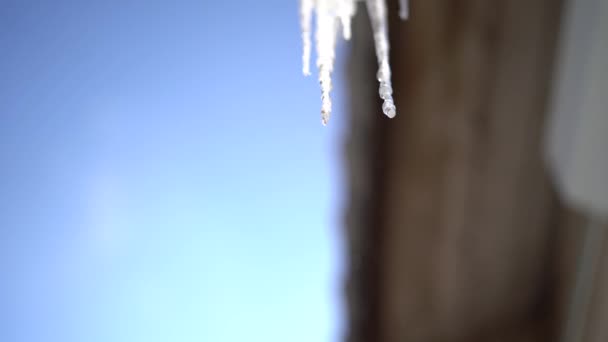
column 330, row 15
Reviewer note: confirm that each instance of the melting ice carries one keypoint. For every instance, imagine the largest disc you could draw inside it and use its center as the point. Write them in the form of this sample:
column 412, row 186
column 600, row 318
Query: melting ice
column 331, row 15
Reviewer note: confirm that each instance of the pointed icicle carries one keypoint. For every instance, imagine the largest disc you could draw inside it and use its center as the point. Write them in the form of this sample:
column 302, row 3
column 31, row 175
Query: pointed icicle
column 306, row 8
column 378, row 18
column 326, row 46
column 330, row 15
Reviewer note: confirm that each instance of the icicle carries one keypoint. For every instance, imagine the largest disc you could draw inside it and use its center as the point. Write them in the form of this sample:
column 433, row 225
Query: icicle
column 378, row 18
column 404, row 9
column 326, row 46
column 306, row 7
column 347, row 11
column 330, row 13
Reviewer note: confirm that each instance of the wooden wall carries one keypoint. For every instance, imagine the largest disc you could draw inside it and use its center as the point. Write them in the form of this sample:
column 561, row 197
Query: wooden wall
column 452, row 223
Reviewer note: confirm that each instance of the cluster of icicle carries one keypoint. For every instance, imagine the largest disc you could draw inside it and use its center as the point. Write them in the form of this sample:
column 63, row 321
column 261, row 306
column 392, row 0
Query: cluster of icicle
column 330, row 14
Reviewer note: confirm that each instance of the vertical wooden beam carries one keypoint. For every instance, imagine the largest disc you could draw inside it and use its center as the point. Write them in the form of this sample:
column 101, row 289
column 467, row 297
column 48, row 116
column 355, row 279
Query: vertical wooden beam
column 455, row 241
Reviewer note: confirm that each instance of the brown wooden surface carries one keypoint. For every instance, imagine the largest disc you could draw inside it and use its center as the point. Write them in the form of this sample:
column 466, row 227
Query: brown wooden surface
column 452, row 220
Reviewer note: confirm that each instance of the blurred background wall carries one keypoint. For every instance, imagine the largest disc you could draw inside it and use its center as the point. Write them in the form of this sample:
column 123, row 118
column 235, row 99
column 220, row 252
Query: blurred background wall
column 456, row 231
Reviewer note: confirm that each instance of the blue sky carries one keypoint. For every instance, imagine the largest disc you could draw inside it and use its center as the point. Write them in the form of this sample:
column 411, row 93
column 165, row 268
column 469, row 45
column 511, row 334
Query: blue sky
column 164, row 175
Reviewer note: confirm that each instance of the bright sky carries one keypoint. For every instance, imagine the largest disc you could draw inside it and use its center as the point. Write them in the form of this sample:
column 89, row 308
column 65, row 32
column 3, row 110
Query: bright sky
column 164, row 175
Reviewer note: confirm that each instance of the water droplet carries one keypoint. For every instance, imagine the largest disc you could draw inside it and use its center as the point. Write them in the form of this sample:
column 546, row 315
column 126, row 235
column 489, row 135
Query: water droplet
column 389, row 109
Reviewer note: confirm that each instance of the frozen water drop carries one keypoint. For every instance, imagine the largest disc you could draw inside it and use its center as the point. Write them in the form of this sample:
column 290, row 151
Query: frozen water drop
column 389, row 109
